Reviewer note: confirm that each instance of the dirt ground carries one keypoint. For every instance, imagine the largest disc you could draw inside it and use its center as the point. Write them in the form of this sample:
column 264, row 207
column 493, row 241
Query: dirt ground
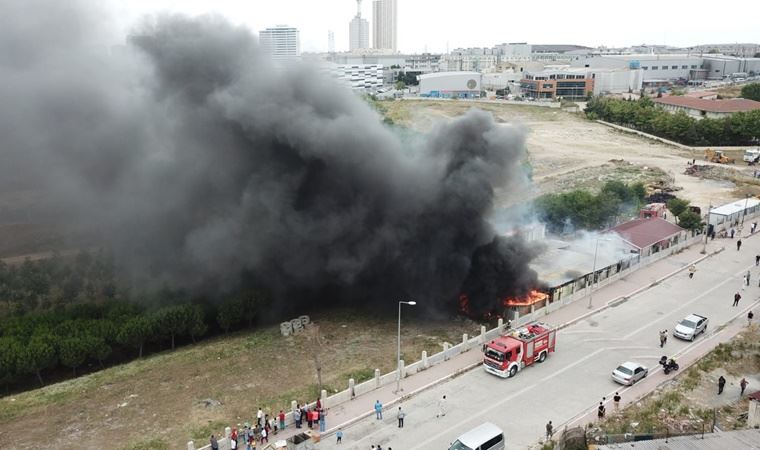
column 567, row 150
column 172, row 397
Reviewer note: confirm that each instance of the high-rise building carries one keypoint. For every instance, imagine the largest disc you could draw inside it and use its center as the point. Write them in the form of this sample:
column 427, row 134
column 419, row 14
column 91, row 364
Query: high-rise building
column 281, row 42
column 384, row 17
column 330, row 41
column 358, row 30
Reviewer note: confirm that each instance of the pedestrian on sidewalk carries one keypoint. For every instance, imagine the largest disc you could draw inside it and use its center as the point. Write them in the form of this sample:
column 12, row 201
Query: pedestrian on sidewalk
column 264, row 435
column 339, row 435
column 601, row 410
column 743, row 384
column 214, row 443
column 732, row 232
column 378, row 410
column 549, row 431
column 750, row 316
column 441, row 407
column 259, row 416
column 400, row 415
column 738, row 244
column 748, row 275
column 663, row 338
column 322, row 418
column 692, row 269
column 757, row 260
column 737, row 297
column 744, row 281
column 282, row 420
column 616, row 399
column 721, row 384
column 297, row 416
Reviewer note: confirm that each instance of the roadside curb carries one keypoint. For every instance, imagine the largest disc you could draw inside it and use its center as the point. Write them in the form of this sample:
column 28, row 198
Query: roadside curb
column 617, row 300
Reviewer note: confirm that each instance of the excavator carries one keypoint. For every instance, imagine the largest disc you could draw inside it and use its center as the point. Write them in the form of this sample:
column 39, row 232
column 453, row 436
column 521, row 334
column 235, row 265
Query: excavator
column 718, row 156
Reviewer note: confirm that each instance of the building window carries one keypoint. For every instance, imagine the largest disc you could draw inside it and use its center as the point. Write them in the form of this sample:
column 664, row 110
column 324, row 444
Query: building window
column 645, row 67
column 694, row 66
column 674, row 67
column 547, row 85
column 684, row 67
column 655, row 67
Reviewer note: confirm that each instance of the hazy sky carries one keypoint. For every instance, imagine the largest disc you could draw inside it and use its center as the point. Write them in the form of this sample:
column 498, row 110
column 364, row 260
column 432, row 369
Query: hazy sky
column 433, row 24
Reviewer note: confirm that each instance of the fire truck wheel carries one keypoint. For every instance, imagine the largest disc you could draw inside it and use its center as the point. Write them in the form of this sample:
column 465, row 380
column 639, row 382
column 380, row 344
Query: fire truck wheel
column 512, row 371
column 542, row 357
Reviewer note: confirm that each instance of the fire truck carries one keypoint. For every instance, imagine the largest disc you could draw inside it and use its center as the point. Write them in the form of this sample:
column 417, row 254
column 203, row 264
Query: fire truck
column 511, row 352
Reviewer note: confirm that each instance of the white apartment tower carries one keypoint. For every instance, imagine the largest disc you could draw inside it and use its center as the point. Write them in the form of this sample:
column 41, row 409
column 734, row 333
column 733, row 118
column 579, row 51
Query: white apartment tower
column 281, row 42
column 358, row 30
column 384, row 17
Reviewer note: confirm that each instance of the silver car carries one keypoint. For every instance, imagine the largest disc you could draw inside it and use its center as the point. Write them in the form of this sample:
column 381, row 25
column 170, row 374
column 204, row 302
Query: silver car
column 629, row 373
column 690, row 327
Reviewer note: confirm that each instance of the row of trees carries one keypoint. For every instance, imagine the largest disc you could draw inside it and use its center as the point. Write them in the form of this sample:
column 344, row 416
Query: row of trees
column 742, row 128
column 65, row 313
column 566, row 211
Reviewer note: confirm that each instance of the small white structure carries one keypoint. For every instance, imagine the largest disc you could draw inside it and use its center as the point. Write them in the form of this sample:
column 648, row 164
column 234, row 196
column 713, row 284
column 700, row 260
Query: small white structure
column 731, row 214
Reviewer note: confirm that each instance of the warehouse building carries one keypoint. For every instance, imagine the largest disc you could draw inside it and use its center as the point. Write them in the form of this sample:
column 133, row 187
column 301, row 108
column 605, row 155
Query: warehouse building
column 450, row 84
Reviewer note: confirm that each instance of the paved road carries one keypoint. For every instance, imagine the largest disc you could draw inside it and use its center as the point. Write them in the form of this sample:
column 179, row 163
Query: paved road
column 573, row 380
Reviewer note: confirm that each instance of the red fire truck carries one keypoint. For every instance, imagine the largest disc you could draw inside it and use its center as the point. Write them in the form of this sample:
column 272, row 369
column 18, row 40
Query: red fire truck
column 519, row 348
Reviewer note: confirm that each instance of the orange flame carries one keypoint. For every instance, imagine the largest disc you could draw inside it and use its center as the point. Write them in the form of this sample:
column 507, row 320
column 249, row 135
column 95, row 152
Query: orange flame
column 464, row 304
column 528, row 299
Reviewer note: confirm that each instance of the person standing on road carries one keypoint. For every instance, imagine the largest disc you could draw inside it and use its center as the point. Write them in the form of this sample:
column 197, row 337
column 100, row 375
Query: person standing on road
column 282, row 420
column 721, row 384
column 663, row 338
column 738, row 244
column 214, row 443
column 692, row 269
column 441, row 407
column 737, row 297
column 339, row 436
column 748, row 278
column 757, row 260
column 750, row 316
column 601, row 410
column 259, row 416
column 378, row 410
column 297, row 416
column 322, row 418
column 616, row 399
column 549, row 431
column 732, row 232
column 401, row 414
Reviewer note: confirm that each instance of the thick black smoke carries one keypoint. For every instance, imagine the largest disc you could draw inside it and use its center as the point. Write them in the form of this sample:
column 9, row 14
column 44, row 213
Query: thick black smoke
column 197, row 161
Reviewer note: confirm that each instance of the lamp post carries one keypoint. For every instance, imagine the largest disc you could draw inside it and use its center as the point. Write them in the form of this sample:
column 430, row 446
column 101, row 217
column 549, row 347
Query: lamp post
column 593, row 273
column 398, row 354
column 707, row 228
column 744, row 213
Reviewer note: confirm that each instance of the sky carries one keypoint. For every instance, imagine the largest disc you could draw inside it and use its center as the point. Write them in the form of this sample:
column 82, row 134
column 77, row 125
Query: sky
column 435, row 25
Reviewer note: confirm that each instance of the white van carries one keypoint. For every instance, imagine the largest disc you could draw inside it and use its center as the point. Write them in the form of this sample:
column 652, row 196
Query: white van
column 484, row 437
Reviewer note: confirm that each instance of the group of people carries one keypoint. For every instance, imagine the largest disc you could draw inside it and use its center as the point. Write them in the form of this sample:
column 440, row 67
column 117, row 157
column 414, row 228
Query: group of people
column 317, row 416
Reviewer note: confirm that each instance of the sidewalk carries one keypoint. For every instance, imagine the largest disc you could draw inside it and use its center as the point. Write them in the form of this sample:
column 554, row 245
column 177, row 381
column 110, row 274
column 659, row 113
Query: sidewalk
column 347, row 413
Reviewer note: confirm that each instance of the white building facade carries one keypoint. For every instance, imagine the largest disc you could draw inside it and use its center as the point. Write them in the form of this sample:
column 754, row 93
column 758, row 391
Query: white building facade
column 450, row 84
column 360, row 77
column 384, row 25
column 282, row 42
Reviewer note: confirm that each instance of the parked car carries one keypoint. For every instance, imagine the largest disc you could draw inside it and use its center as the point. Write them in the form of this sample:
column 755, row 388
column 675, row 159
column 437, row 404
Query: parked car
column 629, row 373
column 690, row 327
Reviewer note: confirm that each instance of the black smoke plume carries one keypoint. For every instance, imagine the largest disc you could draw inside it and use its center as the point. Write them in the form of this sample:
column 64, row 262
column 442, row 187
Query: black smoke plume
column 196, row 161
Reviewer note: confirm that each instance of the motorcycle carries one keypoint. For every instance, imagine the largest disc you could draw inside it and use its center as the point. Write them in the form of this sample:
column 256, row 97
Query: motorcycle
column 668, row 365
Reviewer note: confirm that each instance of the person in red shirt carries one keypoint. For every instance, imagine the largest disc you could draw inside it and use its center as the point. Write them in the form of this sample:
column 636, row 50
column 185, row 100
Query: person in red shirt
column 282, row 420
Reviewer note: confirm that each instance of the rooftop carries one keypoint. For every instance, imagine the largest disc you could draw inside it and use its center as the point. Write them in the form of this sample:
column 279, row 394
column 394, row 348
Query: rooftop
column 735, row 207
column 446, row 74
column 728, row 440
column 645, row 232
column 718, row 106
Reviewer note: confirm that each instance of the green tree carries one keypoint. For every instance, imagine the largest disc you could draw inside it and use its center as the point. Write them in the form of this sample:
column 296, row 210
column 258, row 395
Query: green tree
column 751, row 91
column 97, row 348
column 10, row 355
column 38, row 354
column 677, row 206
column 135, row 333
column 195, row 325
column 73, row 352
column 172, row 322
column 400, row 85
column 690, row 220
column 229, row 314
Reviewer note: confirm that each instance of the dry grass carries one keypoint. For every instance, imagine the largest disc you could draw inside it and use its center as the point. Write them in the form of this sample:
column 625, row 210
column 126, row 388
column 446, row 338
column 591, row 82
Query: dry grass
column 158, row 400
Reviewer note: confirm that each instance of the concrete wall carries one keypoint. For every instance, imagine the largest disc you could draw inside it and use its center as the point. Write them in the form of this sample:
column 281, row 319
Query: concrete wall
column 617, row 81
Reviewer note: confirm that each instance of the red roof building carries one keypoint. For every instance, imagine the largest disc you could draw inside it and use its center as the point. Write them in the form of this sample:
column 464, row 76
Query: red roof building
column 701, row 108
column 649, row 236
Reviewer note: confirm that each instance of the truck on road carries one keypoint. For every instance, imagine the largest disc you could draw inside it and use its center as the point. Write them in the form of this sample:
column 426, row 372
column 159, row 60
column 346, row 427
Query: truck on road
column 513, row 351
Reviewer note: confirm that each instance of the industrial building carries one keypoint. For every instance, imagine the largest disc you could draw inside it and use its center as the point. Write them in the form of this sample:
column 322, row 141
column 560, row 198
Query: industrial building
column 360, row 77
column 701, row 108
column 450, row 84
column 719, row 67
column 571, row 84
column 656, row 67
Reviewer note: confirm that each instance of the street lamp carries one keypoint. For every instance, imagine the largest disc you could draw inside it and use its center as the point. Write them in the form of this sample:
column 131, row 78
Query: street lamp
column 593, row 272
column 744, row 213
column 398, row 354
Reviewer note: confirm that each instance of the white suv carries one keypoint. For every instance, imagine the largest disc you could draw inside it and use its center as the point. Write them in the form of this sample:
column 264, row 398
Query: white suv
column 690, row 327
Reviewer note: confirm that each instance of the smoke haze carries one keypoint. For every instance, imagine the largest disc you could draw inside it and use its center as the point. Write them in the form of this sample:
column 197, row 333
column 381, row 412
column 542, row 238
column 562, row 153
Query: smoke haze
column 197, row 162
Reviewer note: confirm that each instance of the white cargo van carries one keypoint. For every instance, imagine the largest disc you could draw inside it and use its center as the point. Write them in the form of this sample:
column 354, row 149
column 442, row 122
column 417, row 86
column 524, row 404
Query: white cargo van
column 484, row 437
